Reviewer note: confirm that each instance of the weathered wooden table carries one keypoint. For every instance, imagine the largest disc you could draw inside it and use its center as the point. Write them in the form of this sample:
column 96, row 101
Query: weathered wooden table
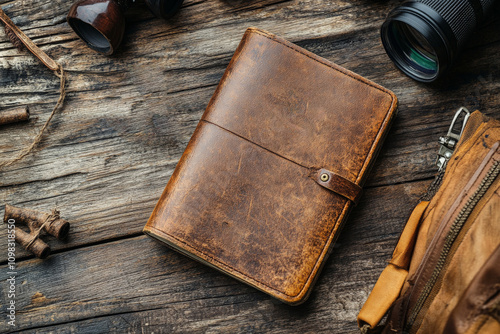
column 105, row 160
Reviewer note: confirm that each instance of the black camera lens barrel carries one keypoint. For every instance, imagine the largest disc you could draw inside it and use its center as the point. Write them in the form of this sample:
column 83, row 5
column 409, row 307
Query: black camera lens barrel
column 423, row 37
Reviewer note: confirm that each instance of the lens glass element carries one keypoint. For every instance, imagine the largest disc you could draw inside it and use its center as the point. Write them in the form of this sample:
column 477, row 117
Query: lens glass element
column 414, row 51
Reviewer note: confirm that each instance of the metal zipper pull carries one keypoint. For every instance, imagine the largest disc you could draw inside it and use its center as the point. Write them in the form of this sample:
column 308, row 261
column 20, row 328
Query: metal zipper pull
column 449, row 142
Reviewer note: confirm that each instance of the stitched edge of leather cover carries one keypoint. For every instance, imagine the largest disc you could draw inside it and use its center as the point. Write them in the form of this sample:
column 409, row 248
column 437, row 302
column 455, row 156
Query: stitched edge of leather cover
column 186, row 249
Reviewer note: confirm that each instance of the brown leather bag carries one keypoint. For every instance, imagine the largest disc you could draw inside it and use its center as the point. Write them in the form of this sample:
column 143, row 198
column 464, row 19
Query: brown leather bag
column 444, row 276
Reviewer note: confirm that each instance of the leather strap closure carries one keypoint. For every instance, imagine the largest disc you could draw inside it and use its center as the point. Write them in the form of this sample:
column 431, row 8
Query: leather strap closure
column 337, row 184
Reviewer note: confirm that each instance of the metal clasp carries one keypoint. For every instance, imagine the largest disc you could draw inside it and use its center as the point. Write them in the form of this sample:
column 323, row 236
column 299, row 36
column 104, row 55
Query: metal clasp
column 449, row 142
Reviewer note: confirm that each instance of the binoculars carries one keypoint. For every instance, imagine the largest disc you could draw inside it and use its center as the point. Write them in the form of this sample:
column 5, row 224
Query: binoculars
column 101, row 23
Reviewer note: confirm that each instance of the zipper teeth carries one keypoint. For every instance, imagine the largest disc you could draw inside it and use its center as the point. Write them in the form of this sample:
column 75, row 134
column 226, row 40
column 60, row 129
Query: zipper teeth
column 451, row 236
column 434, row 187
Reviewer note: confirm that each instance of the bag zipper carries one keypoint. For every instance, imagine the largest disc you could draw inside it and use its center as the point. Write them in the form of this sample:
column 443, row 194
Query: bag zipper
column 447, row 145
column 452, row 234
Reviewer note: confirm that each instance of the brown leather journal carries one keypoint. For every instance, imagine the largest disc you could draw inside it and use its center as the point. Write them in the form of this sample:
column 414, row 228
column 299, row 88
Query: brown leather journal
column 274, row 166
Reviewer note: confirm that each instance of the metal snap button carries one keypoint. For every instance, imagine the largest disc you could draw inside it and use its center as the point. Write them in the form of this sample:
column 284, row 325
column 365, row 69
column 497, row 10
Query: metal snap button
column 324, row 177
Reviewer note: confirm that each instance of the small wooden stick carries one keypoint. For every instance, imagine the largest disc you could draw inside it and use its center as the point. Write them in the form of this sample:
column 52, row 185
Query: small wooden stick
column 50, row 222
column 44, row 58
column 13, row 38
column 37, row 247
column 14, row 115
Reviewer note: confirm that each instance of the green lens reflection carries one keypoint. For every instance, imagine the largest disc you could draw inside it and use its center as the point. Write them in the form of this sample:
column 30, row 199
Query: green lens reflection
column 414, row 50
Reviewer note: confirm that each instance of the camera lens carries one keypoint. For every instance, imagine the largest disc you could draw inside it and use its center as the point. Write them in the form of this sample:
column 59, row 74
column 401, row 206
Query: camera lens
column 423, row 37
column 414, row 51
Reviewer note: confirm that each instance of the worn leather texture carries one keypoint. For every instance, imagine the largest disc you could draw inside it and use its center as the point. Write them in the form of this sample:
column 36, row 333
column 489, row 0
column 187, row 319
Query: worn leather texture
column 481, row 300
column 466, row 282
column 274, row 166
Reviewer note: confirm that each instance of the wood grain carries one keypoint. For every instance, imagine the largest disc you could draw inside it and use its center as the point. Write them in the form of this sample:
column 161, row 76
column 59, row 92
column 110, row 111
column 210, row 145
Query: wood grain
column 153, row 287
column 105, row 160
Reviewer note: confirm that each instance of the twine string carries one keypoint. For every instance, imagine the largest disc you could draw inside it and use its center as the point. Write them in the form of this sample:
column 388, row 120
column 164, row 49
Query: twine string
column 49, row 220
column 52, row 65
column 62, row 94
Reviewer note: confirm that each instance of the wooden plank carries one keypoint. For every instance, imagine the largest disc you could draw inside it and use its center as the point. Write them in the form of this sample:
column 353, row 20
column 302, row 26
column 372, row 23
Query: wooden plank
column 139, row 283
column 106, row 159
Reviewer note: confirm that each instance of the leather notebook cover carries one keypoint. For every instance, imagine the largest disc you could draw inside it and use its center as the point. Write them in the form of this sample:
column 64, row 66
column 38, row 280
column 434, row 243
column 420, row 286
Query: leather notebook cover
column 274, row 166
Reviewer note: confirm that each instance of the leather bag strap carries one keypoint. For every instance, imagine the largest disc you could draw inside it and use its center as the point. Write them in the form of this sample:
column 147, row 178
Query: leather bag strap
column 389, row 285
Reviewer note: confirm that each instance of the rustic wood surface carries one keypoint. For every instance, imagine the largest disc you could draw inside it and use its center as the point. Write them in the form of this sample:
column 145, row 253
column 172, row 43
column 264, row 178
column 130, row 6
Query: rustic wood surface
column 106, row 158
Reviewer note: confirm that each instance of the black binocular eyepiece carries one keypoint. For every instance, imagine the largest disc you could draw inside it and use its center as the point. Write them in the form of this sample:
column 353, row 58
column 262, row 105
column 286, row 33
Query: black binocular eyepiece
column 101, row 23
